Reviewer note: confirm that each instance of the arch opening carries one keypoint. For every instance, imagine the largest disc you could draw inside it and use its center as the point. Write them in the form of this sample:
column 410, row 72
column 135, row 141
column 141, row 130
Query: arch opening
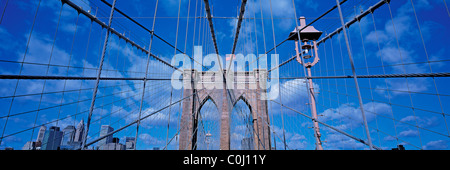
column 241, row 126
column 207, row 132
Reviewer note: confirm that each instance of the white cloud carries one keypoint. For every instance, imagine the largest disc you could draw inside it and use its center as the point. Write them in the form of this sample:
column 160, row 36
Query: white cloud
column 293, row 92
column 392, row 55
column 297, row 85
column 401, row 27
column 389, row 138
column 399, row 87
column 436, row 145
column 277, row 9
column 351, row 116
column 297, row 141
column 65, row 122
column 425, row 122
column 294, row 140
column 39, row 51
column 335, row 141
column 401, row 57
column 376, row 36
column 68, row 14
column 409, row 133
column 148, row 139
column 246, row 31
column 408, row 118
column 157, row 119
column 280, row 9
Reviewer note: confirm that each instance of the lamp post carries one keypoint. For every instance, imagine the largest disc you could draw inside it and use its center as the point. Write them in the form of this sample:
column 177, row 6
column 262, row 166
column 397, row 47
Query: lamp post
column 307, row 35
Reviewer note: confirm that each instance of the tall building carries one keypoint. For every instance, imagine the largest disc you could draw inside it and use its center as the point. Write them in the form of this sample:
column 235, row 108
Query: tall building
column 30, row 145
column 68, row 135
column 52, row 139
column 114, row 145
column 105, row 129
column 130, row 143
column 79, row 132
column 79, row 135
column 67, row 138
column 41, row 134
column 247, row 144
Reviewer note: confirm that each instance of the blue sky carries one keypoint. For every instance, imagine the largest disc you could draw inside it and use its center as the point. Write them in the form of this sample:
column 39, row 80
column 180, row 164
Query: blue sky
column 417, row 119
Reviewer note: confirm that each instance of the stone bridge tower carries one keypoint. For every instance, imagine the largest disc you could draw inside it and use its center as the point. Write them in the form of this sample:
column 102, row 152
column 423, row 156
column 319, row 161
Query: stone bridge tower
column 245, row 86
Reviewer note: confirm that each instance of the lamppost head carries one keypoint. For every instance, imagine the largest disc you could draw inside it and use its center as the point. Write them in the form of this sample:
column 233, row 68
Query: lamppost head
column 309, row 33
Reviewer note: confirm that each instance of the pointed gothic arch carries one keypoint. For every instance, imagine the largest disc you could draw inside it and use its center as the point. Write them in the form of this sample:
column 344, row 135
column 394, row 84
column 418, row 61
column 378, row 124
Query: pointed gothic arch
column 243, row 131
column 208, row 97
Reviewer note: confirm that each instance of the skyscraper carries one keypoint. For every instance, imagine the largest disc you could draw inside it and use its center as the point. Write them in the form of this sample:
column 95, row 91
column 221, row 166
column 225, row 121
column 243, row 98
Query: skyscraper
column 79, row 132
column 30, row 145
column 114, row 145
column 41, row 133
column 130, row 143
column 52, row 139
column 247, row 144
column 68, row 137
column 78, row 136
column 105, row 129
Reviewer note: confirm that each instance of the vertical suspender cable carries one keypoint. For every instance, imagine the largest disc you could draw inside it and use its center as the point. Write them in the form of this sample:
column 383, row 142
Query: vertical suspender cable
column 171, row 89
column 354, row 76
column 384, row 72
column 145, row 78
column 311, row 96
column 279, row 87
column 20, row 72
column 431, row 71
column 181, row 91
column 368, row 73
column 94, row 95
column 68, row 67
column 48, row 68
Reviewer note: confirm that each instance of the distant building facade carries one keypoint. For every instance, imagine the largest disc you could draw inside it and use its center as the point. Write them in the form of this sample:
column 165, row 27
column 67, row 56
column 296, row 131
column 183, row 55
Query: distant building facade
column 79, row 133
column 130, row 143
column 68, row 135
column 30, row 145
column 52, row 139
column 105, row 129
column 41, row 134
column 71, row 138
column 114, row 145
column 36, row 145
column 247, row 144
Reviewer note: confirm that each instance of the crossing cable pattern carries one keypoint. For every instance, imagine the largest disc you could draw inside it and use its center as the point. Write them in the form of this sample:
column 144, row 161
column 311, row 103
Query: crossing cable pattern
column 152, row 32
column 113, row 31
column 79, row 78
column 374, row 76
